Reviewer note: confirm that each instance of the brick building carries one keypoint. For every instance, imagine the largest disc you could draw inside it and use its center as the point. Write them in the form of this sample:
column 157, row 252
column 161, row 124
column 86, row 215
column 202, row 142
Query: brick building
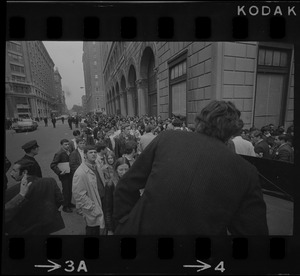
column 165, row 78
column 92, row 60
column 29, row 80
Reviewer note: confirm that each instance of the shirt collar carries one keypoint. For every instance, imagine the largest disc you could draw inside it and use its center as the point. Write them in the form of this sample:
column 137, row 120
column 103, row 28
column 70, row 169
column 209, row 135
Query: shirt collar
column 91, row 166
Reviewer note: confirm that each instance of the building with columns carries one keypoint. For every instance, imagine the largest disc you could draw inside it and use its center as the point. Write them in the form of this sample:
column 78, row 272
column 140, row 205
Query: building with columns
column 165, row 78
column 92, row 60
column 29, row 83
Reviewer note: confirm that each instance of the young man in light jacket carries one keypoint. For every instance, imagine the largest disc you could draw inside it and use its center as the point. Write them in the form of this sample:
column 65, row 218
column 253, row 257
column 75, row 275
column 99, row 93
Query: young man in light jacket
column 88, row 191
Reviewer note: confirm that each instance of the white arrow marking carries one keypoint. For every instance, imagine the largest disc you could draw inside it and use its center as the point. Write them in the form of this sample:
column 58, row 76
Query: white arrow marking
column 53, row 266
column 203, row 266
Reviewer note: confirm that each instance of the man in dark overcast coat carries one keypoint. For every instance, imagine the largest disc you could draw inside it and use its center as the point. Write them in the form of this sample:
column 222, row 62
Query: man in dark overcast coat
column 31, row 149
column 193, row 183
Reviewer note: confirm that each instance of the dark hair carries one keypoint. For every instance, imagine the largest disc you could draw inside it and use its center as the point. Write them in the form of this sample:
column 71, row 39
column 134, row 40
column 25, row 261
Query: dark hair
column 283, row 137
column 64, row 141
column 149, row 128
column 28, row 165
column 218, row 119
column 130, row 146
column 79, row 139
column 76, row 132
column 240, row 125
column 256, row 133
column 100, row 146
column 265, row 128
column 124, row 126
column 121, row 161
column 177, row 122
column 89, row 147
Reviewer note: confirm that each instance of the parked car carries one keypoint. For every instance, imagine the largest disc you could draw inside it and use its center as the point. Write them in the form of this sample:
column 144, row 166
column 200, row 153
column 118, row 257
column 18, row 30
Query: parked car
column 25, row 125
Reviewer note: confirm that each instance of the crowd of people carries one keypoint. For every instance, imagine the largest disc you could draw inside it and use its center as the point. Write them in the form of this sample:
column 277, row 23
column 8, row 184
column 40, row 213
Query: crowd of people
column 145, row 175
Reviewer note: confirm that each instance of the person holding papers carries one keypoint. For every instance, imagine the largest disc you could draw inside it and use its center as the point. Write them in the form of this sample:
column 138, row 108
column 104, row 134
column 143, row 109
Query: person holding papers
column 60, row 165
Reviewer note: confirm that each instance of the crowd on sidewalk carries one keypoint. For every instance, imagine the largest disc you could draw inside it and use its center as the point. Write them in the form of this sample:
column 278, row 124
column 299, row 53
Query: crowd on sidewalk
column 124, row 173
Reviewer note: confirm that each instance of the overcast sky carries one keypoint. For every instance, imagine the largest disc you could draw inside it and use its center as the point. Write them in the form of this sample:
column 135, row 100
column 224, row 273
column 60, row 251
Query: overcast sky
column 67, row 57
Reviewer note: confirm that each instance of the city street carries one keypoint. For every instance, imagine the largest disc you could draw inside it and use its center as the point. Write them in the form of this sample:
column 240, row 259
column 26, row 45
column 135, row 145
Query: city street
column 279, row 211
column 48, row 139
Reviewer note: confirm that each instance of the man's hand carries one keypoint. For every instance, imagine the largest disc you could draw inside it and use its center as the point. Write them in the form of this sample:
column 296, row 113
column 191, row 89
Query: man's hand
column 24, row 187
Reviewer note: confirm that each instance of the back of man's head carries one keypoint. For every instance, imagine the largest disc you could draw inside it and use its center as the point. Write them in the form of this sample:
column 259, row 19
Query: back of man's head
column 149, row 128
column 100, row 146
column 177, row 122
column 27, row 165
column 76, row 132
column 130, row 146
column 219, row 119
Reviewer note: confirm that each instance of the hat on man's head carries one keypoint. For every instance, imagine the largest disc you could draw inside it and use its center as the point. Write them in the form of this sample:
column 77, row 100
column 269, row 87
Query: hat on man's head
column 30, row 144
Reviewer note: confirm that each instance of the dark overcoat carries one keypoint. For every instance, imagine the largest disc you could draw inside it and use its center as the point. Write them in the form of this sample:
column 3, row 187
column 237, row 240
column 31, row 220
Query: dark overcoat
column 37, row 168
column 60, row 157
column 194, row 185
column 38, row 213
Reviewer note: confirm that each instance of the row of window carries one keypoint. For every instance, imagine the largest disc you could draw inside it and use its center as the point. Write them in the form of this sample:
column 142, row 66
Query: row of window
column 17, row 78
column 270, row 57
column 15, row 58
column 14, row 47
column 21, row 100
column 20, row 89
column 17, row 68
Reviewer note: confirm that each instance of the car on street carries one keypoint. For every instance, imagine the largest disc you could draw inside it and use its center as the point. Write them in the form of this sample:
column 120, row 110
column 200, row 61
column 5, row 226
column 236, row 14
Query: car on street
column 25, row 125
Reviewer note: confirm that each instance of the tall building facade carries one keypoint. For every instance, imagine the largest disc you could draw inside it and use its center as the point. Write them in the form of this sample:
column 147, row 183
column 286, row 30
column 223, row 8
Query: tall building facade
column 92, row 60
column 29, row 80
column 59, row 93
column 180, row 78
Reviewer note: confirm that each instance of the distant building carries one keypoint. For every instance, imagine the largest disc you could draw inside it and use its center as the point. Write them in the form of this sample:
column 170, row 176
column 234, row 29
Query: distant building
column 165, row 78
column 60, row 99
column 92, row 60
column 83, row 103
column 29, row 82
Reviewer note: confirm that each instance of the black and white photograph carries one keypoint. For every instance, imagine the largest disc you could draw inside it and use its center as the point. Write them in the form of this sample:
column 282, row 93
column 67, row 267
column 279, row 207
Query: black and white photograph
column 149, row 138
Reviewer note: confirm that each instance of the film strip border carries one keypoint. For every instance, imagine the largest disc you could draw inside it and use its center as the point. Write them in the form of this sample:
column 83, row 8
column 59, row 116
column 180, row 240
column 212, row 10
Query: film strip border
column 147, row 254
column 166, row 21
column 259, row 21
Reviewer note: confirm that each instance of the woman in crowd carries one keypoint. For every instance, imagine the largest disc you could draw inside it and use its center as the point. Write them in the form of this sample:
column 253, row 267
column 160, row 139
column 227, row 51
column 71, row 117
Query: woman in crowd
column 121, row 167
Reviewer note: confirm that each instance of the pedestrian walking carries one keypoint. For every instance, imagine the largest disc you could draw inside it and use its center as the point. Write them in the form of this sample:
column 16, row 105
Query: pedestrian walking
column 60, row 165
column 63, row 120
column 31, row 206
column 76, row 121
column 73, row 144
column 89, row 192
column 54, row 121
column 31, row 149
column 193, row 183
column 46, row 121
column 70, row 120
